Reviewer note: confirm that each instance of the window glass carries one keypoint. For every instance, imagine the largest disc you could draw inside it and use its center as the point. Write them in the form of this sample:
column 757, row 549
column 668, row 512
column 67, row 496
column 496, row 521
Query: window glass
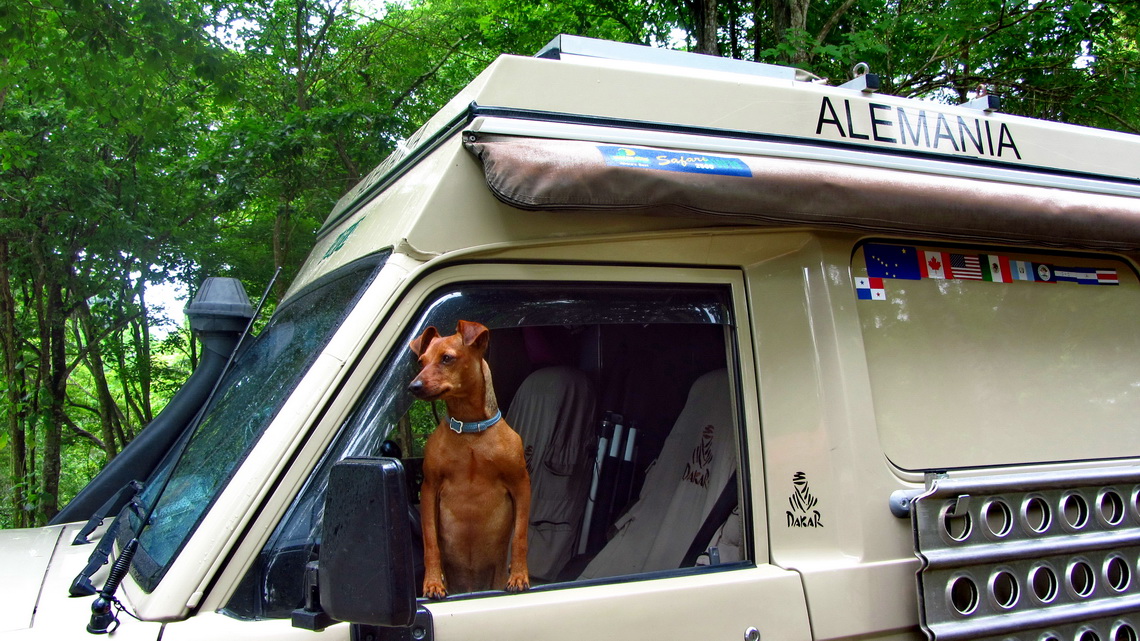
column 984, row 357
column 247, row 399
column 570, row 363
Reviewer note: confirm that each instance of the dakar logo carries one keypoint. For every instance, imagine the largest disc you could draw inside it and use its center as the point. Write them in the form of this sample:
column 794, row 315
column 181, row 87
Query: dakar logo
column 697, row 469
column 803, row 503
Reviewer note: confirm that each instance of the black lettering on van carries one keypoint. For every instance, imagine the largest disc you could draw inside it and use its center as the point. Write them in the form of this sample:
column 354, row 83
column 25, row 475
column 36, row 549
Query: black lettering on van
column 876, row 122
column 824, row 108
column 911, row 127
column 942, row 132
column 812, row 520
column 920, row 128
column 851, row 124
column 1005, row 139
column 964, row 132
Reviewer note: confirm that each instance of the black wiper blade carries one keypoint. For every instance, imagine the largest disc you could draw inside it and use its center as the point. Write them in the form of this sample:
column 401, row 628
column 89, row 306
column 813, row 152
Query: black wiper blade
column 126, row 493
column 81, row 585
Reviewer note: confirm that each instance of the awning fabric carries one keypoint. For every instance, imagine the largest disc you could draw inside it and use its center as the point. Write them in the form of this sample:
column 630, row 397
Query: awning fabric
column 549, row 174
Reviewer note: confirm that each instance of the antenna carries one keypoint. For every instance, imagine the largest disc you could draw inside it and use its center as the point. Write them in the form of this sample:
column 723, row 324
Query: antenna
column 103, row 617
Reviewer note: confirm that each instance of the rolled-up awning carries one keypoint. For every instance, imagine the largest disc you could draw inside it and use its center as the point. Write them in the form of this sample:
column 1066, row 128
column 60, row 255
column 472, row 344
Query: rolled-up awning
column 550, row 174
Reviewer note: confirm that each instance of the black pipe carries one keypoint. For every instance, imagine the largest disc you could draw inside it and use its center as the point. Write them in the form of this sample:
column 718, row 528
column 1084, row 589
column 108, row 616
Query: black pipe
column 218, row 316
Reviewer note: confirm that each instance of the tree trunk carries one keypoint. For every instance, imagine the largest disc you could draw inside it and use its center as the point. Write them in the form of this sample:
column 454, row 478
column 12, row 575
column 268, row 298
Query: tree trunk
column 16, row 414
column 107, row 407
column 705, row 14
column 142, row 356
column 789, row 21
column 54, row 359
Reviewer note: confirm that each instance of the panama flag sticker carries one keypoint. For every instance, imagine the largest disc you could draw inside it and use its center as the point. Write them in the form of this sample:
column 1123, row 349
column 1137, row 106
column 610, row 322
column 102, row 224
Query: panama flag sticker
column 870, row 289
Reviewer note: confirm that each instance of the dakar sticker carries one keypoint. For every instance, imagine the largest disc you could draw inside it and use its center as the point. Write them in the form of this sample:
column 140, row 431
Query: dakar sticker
column 803, row 513
column 698, row 470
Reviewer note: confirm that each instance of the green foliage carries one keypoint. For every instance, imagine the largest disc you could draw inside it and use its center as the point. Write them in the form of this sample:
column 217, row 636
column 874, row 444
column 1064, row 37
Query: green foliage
column 151, row 140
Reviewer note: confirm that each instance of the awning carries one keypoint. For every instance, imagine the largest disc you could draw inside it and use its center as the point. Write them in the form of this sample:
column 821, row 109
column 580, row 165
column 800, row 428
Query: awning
column 548, row 174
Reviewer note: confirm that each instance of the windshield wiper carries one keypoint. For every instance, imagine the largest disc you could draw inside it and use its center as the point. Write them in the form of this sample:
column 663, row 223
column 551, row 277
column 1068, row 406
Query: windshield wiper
column 82, row 585
column 103, row 617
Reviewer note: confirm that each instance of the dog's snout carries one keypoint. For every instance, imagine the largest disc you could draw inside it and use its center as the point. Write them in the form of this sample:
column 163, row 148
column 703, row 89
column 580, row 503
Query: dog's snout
column 416, row 386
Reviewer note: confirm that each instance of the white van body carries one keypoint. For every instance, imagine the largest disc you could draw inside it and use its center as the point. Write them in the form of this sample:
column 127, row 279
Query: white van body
column 899, row 337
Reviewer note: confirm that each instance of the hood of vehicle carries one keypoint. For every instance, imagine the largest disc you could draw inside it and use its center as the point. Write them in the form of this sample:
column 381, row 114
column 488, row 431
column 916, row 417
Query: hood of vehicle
column 24, row 557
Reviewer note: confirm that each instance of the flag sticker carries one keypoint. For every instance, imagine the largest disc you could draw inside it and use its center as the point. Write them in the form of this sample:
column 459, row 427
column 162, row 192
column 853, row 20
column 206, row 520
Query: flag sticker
column 934, row 264
column 1021, row 270
column 1107, row 277
column 965, row 267
column 870, row 289
column 892, row 261
column 912, row 263
column 997, row 269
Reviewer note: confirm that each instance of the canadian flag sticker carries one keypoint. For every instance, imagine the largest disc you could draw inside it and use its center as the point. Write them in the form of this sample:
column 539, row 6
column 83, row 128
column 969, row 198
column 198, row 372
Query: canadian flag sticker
column 934, row 264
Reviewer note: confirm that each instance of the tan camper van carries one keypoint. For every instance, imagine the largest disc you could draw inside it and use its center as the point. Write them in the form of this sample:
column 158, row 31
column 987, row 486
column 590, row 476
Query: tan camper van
column 791, row 361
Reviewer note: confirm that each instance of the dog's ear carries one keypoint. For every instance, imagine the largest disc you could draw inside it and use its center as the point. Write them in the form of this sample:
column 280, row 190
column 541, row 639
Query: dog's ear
column 421, row 342
column 474, row 335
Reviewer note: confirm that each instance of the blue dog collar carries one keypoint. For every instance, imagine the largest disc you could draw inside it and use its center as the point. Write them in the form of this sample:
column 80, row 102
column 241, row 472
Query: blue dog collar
column 460, row 427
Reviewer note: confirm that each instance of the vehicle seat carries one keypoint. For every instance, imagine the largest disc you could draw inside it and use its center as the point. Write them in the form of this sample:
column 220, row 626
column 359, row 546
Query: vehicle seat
column 681, row 487
column 553, row 411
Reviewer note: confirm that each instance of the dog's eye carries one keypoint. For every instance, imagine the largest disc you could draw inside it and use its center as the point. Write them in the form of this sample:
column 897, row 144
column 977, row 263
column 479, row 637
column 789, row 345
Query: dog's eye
column 447, row 359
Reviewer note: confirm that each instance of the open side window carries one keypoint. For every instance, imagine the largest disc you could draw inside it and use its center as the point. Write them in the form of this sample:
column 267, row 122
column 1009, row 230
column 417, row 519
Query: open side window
column 625, row 397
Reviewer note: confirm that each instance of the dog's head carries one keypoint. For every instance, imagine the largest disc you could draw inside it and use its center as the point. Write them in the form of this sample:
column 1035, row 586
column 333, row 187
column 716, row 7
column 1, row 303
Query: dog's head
column 450, row 365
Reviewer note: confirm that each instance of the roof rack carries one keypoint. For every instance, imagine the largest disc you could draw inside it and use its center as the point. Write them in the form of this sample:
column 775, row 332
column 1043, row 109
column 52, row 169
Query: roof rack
column 567, row 46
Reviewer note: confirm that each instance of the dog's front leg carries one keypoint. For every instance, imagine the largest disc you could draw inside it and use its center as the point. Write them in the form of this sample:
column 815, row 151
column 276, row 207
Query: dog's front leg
column 519, row 487
column 434, row 587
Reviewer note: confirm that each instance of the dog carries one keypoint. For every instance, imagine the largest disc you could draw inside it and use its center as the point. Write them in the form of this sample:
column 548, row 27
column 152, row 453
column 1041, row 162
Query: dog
column 475, row 497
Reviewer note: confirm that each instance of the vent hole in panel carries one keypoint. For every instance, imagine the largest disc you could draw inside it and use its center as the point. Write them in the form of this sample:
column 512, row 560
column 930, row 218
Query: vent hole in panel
column 1123, row 632
column 1035, row 511
column 1081, row 579
column 963, row 595
column 1076, row 510
column 1004, row 589
column 998, row 518
column 1043, row 581
column 956, row 526
column 1117, row 573
column 1110, row 505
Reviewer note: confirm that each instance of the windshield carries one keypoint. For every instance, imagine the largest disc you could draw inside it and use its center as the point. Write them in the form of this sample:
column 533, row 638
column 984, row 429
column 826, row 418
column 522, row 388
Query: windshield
column 257, row 384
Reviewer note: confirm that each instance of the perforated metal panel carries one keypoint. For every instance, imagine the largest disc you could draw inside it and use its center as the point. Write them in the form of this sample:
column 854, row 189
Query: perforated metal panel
column 1032, row 557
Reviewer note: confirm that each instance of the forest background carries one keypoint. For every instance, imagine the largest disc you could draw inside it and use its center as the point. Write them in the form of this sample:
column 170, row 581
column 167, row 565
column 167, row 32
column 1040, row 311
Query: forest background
column 145, row 143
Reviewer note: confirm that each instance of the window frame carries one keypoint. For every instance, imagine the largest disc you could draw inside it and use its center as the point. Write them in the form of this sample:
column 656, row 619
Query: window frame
column 405, row 311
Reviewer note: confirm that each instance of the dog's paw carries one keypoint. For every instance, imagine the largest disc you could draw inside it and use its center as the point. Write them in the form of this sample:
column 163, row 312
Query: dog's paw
column 518, row 583
column 434, row 590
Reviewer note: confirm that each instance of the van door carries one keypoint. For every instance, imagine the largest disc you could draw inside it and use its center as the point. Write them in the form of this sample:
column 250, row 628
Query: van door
column 635, row 395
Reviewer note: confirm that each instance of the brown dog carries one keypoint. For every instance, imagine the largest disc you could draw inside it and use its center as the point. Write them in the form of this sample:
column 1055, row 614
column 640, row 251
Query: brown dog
column 476, row 489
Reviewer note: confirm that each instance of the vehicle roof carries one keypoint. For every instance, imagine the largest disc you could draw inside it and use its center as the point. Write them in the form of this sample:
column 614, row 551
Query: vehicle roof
column 709, row 104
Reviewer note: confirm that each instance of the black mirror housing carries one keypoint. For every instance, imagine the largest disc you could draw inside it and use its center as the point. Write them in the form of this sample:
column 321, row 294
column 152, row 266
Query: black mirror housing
column 366, row 570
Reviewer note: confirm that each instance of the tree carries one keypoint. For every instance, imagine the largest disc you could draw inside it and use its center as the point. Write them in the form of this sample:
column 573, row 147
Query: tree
column 88, row 210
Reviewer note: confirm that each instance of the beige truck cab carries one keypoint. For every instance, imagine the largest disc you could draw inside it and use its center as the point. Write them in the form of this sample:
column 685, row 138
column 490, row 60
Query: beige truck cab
column 790, row 361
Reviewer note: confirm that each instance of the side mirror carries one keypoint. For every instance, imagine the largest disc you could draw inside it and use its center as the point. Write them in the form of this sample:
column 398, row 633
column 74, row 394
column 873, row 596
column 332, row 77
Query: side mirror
column 365, row 573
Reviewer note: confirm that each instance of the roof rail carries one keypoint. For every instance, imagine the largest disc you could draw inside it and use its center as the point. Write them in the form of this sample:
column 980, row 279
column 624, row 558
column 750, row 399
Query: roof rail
column 567, row 46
